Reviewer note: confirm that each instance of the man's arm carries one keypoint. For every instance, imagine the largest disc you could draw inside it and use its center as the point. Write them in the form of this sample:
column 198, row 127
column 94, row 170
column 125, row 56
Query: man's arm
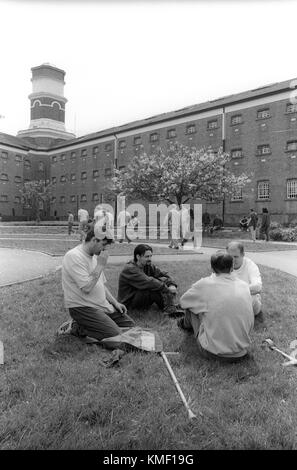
column 158, row 274
column 94, row 275
column 117, row 305
column 139, row 280
column 193, row 300
column 255, row 281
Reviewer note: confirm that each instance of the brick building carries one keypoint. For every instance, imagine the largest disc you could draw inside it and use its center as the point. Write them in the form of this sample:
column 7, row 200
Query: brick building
column 258, row 128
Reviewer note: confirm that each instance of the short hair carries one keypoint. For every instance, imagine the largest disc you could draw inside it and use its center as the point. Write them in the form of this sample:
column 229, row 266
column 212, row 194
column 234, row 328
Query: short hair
column 141, row 249
column 236, row 244
column 91, row 234
column 221, row 262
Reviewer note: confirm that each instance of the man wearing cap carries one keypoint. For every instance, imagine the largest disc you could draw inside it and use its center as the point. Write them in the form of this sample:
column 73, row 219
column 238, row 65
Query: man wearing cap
column 246, row 270
column 90, row 303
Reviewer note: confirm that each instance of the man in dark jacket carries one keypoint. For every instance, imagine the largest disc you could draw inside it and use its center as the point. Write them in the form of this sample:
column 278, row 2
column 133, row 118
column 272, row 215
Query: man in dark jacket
column 265, row 224
column 141, row 284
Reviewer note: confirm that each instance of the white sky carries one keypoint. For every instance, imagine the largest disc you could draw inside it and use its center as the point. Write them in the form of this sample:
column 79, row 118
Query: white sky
column 126, row 61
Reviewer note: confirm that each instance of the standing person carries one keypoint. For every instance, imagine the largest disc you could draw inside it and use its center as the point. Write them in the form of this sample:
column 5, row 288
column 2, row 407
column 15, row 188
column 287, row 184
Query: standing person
column 265, row 224
column 132, row 226
column 123, row 220
column 70, row 222
column 205, row 221
column 83, row 218
column 173, row 220
column 219, row 312
column 253, row 220
column 185, row 225
column 91, row 305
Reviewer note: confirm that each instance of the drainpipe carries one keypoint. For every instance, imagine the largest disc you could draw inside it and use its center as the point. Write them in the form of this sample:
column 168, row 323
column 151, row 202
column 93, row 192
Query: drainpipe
column 115, row 162
column 224, row 149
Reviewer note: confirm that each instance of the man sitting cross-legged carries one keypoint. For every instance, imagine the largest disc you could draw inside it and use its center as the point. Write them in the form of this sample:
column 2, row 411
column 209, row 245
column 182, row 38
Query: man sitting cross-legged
column 141, row 284
column 97, row 313
column 219, row 312
column 247, row 271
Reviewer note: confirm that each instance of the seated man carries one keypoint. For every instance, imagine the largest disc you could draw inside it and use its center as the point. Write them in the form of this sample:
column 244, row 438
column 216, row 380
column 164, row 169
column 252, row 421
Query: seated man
column 217, row 224
column 141, row 283
column 220, row 312
column 246, row 270
column 244, row 223
column 90, row 304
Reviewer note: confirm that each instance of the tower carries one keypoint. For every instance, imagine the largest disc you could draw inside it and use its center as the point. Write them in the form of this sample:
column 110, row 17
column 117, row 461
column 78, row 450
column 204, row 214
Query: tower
column 47, row 123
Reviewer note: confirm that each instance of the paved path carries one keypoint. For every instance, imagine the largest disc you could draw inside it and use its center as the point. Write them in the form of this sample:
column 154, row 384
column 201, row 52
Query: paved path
column 20, row 265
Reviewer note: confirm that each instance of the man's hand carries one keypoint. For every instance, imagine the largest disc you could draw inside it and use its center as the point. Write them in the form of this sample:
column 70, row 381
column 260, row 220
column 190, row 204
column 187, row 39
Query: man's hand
column 102, row 258
column 121, row 307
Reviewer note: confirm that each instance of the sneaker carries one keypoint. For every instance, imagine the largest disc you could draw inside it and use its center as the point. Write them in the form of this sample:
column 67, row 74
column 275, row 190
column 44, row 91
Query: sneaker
column 173, row 311
column 65, row 328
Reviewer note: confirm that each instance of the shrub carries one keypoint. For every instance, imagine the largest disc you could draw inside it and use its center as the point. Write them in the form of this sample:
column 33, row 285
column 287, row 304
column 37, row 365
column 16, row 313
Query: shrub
column 284, row 234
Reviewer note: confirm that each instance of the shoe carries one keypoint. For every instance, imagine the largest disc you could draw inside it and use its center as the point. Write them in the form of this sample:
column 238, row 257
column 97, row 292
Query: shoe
column 176, row 247
column 173, row 311
column 65, row 328
column 181, row 324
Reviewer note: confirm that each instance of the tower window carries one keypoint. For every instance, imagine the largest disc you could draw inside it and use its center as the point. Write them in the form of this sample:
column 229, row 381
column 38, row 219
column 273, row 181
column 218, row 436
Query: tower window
column 236, row 153
column 263, row 114
column 212, row 124
column 191, row 129
column 171, row 133
column 292, row 145
column 4, row 177
column 154, row 137
column 237, row 119
column 291, row 108
column 263, row 149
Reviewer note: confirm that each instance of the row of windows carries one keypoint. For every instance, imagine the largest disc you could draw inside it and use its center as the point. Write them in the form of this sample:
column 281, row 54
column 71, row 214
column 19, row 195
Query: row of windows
column 83, row 176
column 264, row 149
column 4, row 177
column 73, row 198
column 263, row 191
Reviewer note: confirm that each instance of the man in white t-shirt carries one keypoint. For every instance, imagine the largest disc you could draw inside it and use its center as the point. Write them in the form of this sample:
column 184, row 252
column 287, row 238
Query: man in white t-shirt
column 219, row 311
column 90, row 303
column 83, row 217
column 123, row 220
column 246, row 270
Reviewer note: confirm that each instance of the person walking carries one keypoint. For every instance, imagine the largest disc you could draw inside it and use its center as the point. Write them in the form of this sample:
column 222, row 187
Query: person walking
column 70, row 222
column 83, row 218
column 173, row 220
column 265, row 224
column 252, row 224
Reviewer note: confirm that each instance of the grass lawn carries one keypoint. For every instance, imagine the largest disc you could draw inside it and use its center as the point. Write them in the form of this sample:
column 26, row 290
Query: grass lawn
column 56, row 394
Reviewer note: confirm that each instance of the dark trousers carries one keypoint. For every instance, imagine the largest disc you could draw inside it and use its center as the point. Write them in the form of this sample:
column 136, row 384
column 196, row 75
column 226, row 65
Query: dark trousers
column 265, row 233
column 98, row 324
column 192, row 322
column 143, row 299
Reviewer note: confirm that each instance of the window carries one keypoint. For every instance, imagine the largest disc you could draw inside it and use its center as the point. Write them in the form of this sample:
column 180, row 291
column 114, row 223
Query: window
column 73, row 156
column 3, row 198
column 191, row 129
column 292, row 145
column 291, row 108
column 17, row 179
column 137, row 140
column 53, row 200
column 122, row 144
column 212, row 124
column 27, row 164
column 63, row 157
column 83, row 198
column 107, row 172
column 54, row 159
column 95, row 197
column 236, row 153
column 4, row 177
column 237, row 195
column 63, row 179
column 171, row 133
column 41, row 166
column 73, row 198
column 83, row 175
column 263, row 190
column 292, row 189
column 108, row 147
column 73, row 177
column 263, row 149
column 4, row 156
column 154, row 137
column 95, row 173
column 17, row 200
column 122, row 167
column 263, row 114
column 18, row 158
column 95, row 152
column 54, row 179
column 62, row 199
column 84, row 153
column 237, row 119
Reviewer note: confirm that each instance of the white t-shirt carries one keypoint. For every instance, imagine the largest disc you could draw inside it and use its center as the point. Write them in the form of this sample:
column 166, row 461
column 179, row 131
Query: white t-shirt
column 83, row 215
column 123, row 218
column 249, row 272
column 227, row 316
column 76, row 268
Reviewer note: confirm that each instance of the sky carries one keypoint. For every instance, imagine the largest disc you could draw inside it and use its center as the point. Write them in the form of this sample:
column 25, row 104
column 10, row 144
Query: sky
column 129, row 60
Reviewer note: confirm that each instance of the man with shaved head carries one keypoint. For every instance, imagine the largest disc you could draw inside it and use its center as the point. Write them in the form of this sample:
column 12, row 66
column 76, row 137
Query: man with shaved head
column 247, row 271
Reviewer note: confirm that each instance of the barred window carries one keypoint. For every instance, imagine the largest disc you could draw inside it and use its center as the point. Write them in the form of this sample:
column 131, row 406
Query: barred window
column 3, row 198
column 108, row 147
column 95, row 151
column 237, row 195
column 291, row 108
column 263, row 113
column 62, row 199
column 41, row 166
column 292, row 145
column 212, row 124
column 263, row 149
column 95, row 173
column 73, row 156
column 18, row 179
column 263, row 190
column 17, row 199
column 18, row 158
column 53, row 200
column 107, row 172
column 237, row 119
column 4, row 177
column 83, row 198
column 63, row 179
column 154, row 137
column 54, row 159
column 292, row 189
column 83, row 175
column 73, row 177
column 4, row 155
column 137, row 140
column 84, row 153
column 54, row 179
column 73, row 198
column 236, row 153
column 63, row 157
column 27, row 164
column 191, row 129
column 95, row 197
column 122, row 144
column 171, row 133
